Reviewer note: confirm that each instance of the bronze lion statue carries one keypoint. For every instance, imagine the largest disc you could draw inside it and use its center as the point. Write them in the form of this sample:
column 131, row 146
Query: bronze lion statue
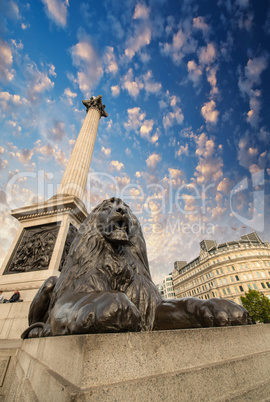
column 106, row 286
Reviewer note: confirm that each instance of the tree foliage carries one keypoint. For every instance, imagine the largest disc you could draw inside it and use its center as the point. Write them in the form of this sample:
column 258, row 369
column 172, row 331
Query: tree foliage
column 257, row 305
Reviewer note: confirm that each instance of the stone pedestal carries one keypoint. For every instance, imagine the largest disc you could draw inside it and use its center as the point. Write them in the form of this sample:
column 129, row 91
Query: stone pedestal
column 47, row 230
column 217, row 364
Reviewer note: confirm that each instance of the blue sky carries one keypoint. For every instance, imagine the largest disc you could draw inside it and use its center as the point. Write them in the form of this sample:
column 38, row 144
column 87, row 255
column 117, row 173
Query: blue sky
column 186, row 86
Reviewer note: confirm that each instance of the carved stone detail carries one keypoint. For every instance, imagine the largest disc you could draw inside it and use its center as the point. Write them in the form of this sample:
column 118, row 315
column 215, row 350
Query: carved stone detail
column 34, row 250
column 97, row 104
column 72, row 231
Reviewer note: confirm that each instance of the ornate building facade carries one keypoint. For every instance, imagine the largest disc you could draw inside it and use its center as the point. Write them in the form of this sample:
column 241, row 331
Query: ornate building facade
column 226, row 270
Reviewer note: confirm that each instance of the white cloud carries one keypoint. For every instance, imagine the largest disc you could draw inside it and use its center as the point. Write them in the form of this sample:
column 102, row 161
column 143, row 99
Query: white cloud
column 246, row 84
column 132, row 86
column 135, row 118
column 69, row 95
column 90, row 70
column 6, row 60
column 122, row 181
column 207, row 54
column 141, row 38
column 182, row 44
column 149, row 84
column 194, row 72
column 45, row 150
column 225, row 186
column 115, row 90
column 209, row 113
column 247, row 154
column 24, row 155
column 58, row 131
column 209, row 168
column 182, row 150
column 60, row 158
column 141, row 12
column 200, row 24
column 169, row 119
column 116, row 165
column 136, row 121
column 56, row 10
column 153, row 160
column 242, row 3
column 253, row 71
column 255, row 106
column 212, row 79
column 38, row 82
column 106, row 151
column 8, row 101
column 110, row 61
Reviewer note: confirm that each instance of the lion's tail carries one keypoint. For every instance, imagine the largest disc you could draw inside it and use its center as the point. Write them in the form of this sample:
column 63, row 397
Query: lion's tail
column 25, row 333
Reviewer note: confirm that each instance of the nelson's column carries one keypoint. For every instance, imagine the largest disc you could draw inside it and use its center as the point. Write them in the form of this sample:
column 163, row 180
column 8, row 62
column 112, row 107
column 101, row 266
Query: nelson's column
column 48, row 228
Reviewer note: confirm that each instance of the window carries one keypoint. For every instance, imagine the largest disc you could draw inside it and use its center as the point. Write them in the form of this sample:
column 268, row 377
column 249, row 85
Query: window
column 237, row 277
column 236, row 289
column 224, row 291
column 244, row 276
column 255, row 286
column 233, row 268
column 250, row 275
column 263, row 274
column 249, row 286
column 220, row 282
column 241, row 288
column 229, row 291
column 232, row 279
column 263, row 285
column 258, row 274
column 225, row 281
column 217, row 271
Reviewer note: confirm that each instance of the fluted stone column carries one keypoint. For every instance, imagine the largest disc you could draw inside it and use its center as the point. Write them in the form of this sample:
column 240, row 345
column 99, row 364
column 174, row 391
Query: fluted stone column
column 75, row 176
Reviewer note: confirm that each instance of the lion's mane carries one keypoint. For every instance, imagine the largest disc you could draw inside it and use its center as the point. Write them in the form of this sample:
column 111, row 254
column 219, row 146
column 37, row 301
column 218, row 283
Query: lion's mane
column 95, row 264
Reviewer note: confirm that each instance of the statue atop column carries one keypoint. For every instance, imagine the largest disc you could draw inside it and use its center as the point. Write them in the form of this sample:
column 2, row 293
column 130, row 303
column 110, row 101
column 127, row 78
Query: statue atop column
column 96, row 103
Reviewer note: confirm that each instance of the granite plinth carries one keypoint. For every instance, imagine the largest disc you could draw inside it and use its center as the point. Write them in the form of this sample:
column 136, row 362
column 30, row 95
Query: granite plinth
column 216, row 364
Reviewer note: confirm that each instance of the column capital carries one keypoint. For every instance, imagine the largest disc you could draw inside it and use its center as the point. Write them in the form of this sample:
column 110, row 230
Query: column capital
column 97, row 104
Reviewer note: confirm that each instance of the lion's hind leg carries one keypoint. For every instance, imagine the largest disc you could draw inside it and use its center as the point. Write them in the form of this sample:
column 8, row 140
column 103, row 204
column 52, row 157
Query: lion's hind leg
column 38, row 312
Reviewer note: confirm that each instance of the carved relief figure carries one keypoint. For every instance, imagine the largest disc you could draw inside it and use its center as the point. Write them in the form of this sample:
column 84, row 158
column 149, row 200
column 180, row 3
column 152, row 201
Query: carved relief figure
column 106, row 286
column 35, row 249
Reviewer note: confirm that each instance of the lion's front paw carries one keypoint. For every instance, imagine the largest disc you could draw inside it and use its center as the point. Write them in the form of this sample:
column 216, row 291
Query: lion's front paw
column 95, row 312
column 115, row 312
column 219, row 312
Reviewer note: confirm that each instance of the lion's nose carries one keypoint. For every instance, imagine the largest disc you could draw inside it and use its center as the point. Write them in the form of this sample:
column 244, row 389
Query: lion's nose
column 121, row 210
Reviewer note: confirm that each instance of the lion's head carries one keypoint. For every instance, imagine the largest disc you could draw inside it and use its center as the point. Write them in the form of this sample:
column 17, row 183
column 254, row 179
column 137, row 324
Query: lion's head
column 109, row 253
